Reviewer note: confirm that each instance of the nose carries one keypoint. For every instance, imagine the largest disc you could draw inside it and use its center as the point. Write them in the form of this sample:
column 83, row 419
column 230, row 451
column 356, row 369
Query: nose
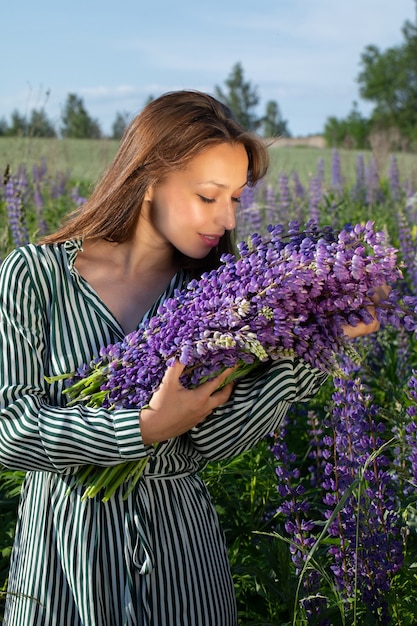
column 227, row 215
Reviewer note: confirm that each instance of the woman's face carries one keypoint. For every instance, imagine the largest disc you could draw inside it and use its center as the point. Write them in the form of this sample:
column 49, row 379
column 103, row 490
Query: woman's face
column 192, row 208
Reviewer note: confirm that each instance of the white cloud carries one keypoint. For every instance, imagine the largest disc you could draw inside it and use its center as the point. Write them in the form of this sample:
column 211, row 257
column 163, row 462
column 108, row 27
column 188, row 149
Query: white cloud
column 303, row 53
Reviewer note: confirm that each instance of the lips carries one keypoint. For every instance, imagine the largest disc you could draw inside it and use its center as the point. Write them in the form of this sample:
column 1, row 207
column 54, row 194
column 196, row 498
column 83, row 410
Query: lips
column 210, row 240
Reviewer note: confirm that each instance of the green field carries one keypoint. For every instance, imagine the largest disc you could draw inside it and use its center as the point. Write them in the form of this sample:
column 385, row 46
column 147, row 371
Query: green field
column 86, row 159
column 83, row 159
column 304, row 161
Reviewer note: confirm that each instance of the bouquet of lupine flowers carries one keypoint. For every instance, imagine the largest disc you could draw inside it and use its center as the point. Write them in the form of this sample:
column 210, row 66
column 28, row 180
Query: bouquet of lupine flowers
column 289, row 292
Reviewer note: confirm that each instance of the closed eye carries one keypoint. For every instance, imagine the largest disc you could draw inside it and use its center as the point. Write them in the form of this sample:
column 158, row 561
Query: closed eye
column 211, row 200
column 208, row 200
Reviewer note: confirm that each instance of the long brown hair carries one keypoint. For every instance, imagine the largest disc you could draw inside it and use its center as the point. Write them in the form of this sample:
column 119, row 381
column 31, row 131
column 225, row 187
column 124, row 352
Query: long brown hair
column 162, row 138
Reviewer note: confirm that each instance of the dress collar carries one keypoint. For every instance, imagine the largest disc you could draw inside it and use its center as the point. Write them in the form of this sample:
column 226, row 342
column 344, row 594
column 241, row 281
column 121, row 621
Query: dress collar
column 72, row 248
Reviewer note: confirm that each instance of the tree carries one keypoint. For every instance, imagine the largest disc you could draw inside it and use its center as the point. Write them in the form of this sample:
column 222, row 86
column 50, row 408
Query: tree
column 242, row 98
column 77, row 123
column 272, row 124
column 119, row 125
column 351, row 132
column 18, row 125
column 39, row 124
column 3, row 127
column 389, row 79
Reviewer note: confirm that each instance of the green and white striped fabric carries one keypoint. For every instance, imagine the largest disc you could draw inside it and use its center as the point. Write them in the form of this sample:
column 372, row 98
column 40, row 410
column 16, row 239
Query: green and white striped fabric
column 157, row 558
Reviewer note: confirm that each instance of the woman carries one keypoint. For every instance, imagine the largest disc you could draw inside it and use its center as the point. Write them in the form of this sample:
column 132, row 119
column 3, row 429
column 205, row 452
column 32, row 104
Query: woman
column 163, row 212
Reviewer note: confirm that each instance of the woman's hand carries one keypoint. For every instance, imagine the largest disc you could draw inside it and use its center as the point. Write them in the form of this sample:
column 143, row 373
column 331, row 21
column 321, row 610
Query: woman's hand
column 173, row 409
column 361, row 329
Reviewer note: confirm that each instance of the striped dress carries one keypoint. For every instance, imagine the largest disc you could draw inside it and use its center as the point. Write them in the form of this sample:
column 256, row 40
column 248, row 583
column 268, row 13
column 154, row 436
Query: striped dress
column 157, row 558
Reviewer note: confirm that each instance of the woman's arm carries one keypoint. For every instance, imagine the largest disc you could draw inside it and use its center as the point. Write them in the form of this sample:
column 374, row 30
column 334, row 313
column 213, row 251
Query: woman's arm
column 258, row 405
column 36, row 431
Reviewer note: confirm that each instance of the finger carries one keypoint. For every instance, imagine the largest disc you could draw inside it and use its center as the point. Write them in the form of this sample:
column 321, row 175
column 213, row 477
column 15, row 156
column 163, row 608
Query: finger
column 212, row 385
column 220, row 396
column 226, row 390
column 207, row 387
column 361, row 329
column 174, row 371
column 381, row 293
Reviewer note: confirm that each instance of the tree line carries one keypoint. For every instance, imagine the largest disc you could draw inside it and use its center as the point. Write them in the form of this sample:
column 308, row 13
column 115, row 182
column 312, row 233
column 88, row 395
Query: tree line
column 388, row 79
column 76, row 123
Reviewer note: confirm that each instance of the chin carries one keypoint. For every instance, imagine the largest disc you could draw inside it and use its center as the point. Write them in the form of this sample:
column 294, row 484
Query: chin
column 199, row 262
column 197, row 256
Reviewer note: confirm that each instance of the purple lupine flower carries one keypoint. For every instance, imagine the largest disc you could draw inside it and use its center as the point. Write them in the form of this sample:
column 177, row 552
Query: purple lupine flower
column 340, row 449
column 408, row 189
column 39, row 208
column 360, row 171
column 287, row 293
column 406, row 451
column 247, row 198
column 38, row 198
column 356, row 447
column 299, row 191
column 76, row 197
column 39, row 171
column 411, row 443
column 271, row 205
column 249, row 216
column 39, row 202
column 316, row 453
column 411, row 210
column 295, row 509
column 337, row 179
column 315, row 199
column 293, row 506
column 39, row 180
column 373, row 193
column 358, row 190
column 284, row 199
column 25, row 188
column 298, row 197
column 59, row 185
column 408, row 250
column 320, row 170
column 13, row 191
column 394, row 179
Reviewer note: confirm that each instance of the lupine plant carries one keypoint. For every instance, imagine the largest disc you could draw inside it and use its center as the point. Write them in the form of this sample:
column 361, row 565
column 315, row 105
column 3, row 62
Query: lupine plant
column 345, row 505
column 33, row 202
column 320, row 518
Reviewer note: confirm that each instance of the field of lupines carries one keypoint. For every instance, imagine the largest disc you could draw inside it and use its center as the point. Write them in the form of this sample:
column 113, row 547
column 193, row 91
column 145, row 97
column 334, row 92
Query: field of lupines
column 321, row 518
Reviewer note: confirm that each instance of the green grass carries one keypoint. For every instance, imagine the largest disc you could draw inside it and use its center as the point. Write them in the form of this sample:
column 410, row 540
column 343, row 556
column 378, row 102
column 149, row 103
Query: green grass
column 86, row 159
column 305, row 160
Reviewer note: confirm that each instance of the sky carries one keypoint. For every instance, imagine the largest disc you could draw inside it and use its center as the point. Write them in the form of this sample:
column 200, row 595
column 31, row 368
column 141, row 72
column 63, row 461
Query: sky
column 114, row 54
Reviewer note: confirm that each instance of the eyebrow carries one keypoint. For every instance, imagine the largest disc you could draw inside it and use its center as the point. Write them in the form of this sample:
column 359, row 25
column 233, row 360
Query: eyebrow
column 220, row 185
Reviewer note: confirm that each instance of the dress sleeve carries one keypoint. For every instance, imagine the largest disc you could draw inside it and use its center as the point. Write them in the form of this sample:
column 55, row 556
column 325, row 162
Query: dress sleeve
column 36, row 431
column 258, row 405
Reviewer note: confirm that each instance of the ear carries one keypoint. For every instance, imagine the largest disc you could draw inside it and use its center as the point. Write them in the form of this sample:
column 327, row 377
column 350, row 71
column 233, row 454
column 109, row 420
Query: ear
column 149, row 194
